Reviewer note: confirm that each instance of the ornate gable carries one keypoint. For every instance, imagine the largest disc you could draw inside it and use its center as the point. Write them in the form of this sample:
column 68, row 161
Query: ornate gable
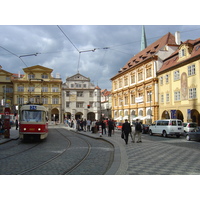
column 4, row 73
column 37, row 68
column 77, row 77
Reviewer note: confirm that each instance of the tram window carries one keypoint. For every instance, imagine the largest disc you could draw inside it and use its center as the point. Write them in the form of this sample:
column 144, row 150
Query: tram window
column 32, row 116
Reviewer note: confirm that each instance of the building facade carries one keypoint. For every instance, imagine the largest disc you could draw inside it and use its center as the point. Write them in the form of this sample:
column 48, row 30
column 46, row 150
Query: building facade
column 80, row 98
column 106, row 104
column 6, row 89
column 135, row 87
column 38, row 86
column 179, row 80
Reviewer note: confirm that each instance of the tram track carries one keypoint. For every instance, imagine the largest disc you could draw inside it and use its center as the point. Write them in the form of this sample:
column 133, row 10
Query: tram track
column 64, row 159
column 73, row 167
column 49, row 160
column 19, row 152
column 79, row 162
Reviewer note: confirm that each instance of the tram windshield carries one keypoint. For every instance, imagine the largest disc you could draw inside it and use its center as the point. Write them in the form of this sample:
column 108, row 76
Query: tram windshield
column 32, row 115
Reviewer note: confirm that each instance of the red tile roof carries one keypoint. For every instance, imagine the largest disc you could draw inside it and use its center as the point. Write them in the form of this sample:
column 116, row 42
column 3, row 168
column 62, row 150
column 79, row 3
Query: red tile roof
column 150, row 51
column 173, row 60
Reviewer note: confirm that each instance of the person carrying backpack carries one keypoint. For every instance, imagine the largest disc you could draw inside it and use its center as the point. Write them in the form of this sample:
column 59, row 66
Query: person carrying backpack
column 138, row 131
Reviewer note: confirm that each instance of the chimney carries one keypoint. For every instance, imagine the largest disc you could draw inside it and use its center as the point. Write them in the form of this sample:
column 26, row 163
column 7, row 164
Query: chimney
column 177, row 38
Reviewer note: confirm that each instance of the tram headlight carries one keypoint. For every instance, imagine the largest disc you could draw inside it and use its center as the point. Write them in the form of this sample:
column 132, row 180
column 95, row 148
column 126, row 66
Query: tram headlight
column 24, row 129
column 39, row 129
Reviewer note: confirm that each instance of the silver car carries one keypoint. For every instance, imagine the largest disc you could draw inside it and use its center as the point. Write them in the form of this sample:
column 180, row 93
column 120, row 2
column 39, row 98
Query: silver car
column 190, row 126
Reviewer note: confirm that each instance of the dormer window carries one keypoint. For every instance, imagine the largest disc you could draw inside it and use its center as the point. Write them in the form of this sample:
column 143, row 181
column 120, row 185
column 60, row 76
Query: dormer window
column 156, row 46
column 44, row 76
column 181, row 53
column 31, row 76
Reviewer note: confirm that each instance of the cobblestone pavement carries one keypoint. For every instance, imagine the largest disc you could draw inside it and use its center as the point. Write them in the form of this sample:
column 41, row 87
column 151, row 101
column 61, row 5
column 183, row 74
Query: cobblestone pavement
column 154, row 156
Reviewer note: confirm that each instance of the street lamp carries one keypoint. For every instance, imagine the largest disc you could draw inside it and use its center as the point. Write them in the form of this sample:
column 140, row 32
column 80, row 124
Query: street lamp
column 150, row 95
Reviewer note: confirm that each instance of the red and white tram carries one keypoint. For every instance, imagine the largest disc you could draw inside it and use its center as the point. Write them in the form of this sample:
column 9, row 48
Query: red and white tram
column 33, row 121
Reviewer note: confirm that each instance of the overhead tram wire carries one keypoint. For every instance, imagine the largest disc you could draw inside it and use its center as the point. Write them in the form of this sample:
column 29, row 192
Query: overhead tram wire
column 72, row 44
column 84, row 51
column 14, row 55
column 68, row 38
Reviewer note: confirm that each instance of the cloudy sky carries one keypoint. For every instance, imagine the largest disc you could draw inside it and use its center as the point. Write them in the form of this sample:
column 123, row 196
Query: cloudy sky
column 67, row 49
column 112, row 31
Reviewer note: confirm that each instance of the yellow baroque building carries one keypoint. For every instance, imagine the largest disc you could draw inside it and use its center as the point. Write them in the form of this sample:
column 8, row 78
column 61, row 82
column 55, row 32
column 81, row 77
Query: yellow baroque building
column 6, row 89
column 179, row 83
column 135, row 87
column 36, row 86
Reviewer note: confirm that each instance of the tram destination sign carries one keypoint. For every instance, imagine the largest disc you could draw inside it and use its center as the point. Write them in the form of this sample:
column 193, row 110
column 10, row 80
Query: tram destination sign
column 33, row 107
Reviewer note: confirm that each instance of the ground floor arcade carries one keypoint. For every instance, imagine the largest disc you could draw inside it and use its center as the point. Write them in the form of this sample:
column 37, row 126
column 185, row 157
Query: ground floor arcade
column 79, row 115
column 184, row 114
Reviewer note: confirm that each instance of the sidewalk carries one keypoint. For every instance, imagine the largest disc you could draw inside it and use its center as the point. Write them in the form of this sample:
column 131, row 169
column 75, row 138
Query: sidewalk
column 14, row 135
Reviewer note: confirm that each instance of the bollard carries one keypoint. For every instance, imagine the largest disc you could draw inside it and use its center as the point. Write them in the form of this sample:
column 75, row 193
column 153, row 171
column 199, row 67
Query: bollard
column 100, row 130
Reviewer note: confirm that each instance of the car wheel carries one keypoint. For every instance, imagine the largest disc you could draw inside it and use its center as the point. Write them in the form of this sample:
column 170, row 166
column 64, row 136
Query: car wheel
column 164, row 134
column 150, row 133
column 187, row 137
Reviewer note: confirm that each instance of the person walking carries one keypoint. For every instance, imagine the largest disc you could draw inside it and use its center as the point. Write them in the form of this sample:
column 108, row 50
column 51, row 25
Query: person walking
column 138, row 131
column 16, row 124
column 110, row 127
column 126, row 129
column 103, row 126
column 88, row 125
column 84, row 125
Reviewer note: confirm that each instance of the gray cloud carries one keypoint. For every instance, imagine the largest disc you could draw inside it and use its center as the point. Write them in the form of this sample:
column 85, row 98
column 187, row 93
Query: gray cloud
column 115, row 45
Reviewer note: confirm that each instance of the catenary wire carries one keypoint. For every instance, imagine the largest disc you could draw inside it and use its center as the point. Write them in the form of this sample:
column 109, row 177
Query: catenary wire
column 68, row 38
column 14, row 55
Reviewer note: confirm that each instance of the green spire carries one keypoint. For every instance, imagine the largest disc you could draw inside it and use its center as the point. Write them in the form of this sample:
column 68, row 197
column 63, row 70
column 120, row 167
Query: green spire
column 143, row 39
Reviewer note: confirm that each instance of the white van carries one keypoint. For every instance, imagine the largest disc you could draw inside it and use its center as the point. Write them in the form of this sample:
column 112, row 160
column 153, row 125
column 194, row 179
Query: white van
column 167, row 127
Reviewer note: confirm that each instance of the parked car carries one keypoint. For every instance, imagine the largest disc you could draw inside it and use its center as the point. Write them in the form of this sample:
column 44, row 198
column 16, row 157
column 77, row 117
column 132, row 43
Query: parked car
column 167, row 127
column 188, row 127
column 192, row 135
column 119, row 126
column 145, row 128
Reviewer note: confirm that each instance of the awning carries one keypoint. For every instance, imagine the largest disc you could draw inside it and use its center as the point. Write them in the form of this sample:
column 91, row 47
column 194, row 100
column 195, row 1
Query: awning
column 146, row 117
column 125, row 117
column 118, row 118
column 138, row 117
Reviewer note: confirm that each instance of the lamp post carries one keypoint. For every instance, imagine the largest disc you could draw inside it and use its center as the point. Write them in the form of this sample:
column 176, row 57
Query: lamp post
column 150, row 93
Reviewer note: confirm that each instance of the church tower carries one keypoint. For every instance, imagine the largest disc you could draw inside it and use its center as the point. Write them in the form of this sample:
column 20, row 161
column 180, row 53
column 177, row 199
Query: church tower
column 143, row 39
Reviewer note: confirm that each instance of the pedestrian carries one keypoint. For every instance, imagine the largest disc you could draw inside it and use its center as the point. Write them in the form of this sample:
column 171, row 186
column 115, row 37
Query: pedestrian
column 84, row 125
column 110, row 127
column 138, row 131
column 126, row 130
column 103, row 126
column 1, row 125
column 93, row 126
column 88, row 125
column 78, row 122
column 81, row 125
column 16, row 124
column 114, row 126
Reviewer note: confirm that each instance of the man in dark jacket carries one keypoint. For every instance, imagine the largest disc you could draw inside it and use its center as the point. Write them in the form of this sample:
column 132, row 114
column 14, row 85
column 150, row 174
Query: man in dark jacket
column 110, row 127
column 126, row 129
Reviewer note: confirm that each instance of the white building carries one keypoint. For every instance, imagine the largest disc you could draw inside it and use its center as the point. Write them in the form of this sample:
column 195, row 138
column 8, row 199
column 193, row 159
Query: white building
column 81, row 99
column 106, row 103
